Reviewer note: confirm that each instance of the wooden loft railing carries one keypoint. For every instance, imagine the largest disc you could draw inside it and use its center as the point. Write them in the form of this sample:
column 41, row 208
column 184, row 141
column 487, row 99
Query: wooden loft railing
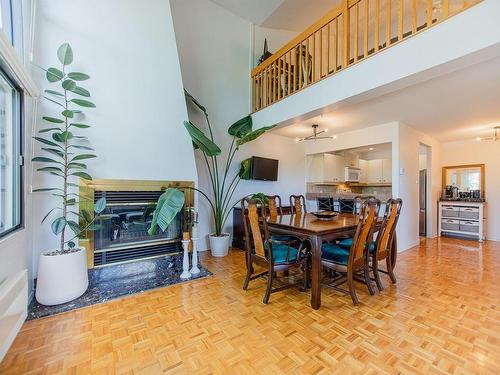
column 353, row 31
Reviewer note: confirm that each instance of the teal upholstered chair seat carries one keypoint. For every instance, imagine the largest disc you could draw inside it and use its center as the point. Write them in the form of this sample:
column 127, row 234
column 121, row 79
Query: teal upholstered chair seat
column 280, row 252
column 347, row 243
column 284, row 238
column 334, row 253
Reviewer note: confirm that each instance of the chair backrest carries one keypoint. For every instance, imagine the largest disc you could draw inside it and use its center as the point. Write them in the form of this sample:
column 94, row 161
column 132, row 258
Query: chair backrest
column 298, row 204
column 274, row 206
column 253, row 232
column 364, row 232
column 358, row 201
column 388, row 228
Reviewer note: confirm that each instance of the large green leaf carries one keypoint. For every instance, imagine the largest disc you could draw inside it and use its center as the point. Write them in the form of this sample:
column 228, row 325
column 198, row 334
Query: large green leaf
column 53, row 120
column 69, row 85
column 245, row 169
column 77, row 76
column 169, row 205
column 81, row 91
column 68, row 113
column 54, row 75
column 43, row 159
column 46, row 189
column 74, row 227
column 241, row 127
column 83, row 175
column 54, row 151
column 49, row 130
column 83, row 156
column 201, row 141
column 100, row 205
column 58, row 225
column 78, row 125
column 195, row 102
column 46, row 141
column 253, row 135
column 65, row 54
column 76, row 166
column 82, row 147
column 52, row 92
column 83, row 103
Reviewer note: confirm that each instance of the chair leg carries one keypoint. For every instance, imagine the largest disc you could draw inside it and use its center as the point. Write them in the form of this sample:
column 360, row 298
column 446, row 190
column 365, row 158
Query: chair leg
column 269, row 286
column 286, row 273
column 376, row 274
column 248, row 276
column 390, row 270
column 350, row 285
column 368, row 281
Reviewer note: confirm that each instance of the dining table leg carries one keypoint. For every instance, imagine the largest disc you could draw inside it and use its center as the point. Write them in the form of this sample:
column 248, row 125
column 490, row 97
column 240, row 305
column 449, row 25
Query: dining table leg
column 316, row 272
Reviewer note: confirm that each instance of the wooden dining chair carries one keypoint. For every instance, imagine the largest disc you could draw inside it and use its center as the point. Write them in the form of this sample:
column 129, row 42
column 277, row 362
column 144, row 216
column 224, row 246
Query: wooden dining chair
column 275, row 209
column 298, row 204
column 346, row 243
column 263, row 251
column 350, row 265
column 383, row 245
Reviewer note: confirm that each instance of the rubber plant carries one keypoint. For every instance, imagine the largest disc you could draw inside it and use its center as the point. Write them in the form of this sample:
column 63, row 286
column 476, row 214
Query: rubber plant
column 65, row 152
column 223, row 182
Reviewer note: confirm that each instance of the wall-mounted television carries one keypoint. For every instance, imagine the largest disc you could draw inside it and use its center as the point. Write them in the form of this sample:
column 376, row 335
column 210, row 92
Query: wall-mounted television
column 264, row 169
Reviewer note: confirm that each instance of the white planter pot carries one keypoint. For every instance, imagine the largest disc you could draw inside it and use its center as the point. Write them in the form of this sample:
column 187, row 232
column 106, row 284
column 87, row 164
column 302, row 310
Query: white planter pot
column 62, row 277
column 219, row 245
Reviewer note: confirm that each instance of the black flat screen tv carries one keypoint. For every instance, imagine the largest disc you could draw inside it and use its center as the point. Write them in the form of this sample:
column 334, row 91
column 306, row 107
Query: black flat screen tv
column 264, row 169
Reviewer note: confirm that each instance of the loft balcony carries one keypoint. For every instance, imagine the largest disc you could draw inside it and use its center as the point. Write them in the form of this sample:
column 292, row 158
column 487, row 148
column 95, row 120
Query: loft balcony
column 354, row 31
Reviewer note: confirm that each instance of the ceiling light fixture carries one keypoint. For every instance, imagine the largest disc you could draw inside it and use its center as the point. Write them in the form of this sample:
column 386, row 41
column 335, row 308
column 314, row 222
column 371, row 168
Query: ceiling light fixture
column 496, row 137
column 315, row 135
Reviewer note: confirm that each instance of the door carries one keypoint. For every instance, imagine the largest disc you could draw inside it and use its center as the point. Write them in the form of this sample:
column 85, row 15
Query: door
column 374, row 170
column 387, row 170
column 422, row 195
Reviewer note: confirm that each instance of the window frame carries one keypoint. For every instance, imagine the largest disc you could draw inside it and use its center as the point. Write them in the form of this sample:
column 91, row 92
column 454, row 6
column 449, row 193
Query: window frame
column 20, row 165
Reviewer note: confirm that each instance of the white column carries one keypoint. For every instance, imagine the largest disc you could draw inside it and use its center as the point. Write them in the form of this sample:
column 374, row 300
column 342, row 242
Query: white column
column 185, row 260
column 194, row 269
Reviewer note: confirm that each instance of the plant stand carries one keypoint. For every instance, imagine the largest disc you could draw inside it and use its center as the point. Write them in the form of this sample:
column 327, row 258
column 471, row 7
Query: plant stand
column 185, row 260
column 194, row 269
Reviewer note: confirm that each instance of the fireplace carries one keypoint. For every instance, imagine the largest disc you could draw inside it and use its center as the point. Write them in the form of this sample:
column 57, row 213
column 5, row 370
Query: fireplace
column 123, row 225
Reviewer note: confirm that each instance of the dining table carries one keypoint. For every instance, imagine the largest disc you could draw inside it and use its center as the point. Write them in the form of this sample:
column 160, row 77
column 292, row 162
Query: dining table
column 309, row 227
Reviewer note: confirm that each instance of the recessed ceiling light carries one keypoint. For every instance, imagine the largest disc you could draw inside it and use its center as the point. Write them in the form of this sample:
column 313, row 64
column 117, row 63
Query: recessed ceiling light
column 334, row 137
column 371, row 149
column 478, row 138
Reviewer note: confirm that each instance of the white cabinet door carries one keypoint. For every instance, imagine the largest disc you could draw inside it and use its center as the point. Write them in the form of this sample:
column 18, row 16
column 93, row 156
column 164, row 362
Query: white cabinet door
column 375, row 171
column 386, row 170
column 315, row 168
column 363, row 165
column 328, row 167
column 338, row 169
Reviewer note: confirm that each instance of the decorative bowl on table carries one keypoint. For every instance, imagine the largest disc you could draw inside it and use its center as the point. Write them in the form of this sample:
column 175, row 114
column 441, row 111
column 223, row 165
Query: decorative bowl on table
column 325, row 215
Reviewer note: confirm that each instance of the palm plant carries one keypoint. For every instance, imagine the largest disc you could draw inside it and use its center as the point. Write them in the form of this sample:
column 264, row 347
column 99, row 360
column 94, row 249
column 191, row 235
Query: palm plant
column 65, row 151
column 222, row 183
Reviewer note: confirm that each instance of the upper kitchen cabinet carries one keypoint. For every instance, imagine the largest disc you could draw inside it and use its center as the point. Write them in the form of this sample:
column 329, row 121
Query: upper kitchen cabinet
column 325, row 168
column 379, row 171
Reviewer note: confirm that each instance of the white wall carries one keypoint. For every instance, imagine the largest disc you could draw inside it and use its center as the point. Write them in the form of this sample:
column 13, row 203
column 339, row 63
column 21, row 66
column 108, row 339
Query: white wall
column 488, row 153
column 130, row 52
column 276, row 39
column 216, row 53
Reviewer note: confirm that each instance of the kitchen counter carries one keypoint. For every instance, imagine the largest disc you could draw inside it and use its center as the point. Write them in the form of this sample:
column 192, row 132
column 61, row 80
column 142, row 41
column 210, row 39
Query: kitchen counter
column 313, row 196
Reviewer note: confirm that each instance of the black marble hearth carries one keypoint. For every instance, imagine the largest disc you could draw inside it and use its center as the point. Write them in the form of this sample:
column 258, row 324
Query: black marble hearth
column 120, row 280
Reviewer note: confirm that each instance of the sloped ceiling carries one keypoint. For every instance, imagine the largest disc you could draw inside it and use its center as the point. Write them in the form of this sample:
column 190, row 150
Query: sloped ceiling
column 292, row 15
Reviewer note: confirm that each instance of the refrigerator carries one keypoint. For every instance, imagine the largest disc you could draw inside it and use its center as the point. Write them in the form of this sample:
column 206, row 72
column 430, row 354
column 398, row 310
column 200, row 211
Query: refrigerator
column 422, row 194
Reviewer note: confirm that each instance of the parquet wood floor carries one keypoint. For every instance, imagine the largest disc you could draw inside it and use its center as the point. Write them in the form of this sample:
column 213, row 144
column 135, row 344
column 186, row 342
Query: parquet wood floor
column 442, row 317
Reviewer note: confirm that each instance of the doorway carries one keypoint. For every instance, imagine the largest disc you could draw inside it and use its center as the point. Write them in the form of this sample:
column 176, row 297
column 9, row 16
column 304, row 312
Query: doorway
column 424, row 162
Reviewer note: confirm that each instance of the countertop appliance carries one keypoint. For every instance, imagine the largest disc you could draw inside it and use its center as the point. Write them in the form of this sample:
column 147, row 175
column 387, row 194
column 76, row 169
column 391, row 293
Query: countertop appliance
column 352, row 174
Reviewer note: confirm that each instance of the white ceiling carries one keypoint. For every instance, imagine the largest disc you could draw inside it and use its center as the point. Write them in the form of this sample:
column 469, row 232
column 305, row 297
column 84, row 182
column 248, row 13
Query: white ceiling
column 461, row 105
column 293, row 15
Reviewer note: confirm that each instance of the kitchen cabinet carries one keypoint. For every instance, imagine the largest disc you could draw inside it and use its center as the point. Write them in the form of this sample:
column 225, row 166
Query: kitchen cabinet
column 379, row 170
column 325, row 168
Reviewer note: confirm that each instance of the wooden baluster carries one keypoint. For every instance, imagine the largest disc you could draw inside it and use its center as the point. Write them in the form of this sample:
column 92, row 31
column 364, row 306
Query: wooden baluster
column 328, row 48
column 261, row 89
column 320, row 53
column 388, row 30
column 356, row 32
column 306, row 79
column 336, row 44
column 254, row 93
column 414, row 15
column 289, row 89
column 429, row 13
column 301, row 80
column 367, row 11
column 376, row 41
column 313, row 58
column 346, row 35
column 400, row 19
column 273, row 83
column 446, row 8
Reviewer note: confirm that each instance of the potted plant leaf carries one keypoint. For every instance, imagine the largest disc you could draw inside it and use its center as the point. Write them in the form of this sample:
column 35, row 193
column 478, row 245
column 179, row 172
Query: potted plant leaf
column 62, row 272
column 223, row 182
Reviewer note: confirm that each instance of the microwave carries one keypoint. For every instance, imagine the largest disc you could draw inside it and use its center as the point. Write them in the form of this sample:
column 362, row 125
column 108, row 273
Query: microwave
column 352, row 174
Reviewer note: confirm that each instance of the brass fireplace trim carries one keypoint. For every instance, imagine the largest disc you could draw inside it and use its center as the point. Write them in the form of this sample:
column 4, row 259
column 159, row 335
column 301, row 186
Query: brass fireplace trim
column 88, row 187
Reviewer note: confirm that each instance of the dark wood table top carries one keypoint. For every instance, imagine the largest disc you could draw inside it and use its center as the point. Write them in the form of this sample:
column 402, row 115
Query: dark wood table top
column 310, row 224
